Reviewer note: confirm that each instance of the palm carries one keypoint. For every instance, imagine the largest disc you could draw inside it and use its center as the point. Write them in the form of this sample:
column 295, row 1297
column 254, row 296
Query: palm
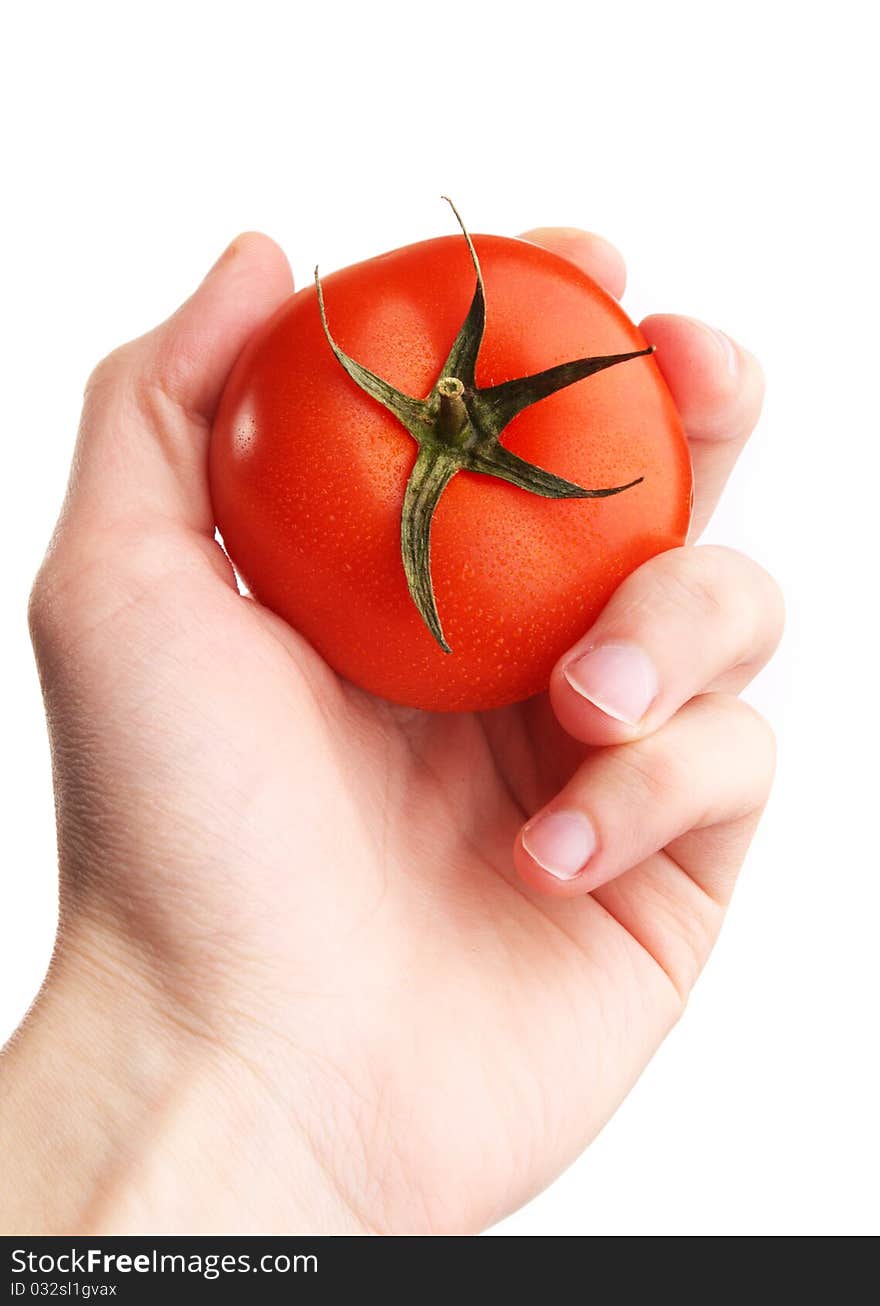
column 351, row 872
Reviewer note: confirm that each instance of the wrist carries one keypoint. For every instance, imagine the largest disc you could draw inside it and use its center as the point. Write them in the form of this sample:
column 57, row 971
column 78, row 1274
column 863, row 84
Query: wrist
column 122, row 1112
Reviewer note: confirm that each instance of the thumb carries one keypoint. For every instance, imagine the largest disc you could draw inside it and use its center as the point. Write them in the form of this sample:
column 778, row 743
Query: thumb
column 142, row 445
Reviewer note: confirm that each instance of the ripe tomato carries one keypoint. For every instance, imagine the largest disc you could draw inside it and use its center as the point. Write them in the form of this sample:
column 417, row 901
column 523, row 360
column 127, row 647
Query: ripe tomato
column 308, row 472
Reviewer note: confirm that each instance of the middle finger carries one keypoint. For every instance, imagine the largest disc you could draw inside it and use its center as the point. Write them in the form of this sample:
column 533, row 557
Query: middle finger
column 686, row 622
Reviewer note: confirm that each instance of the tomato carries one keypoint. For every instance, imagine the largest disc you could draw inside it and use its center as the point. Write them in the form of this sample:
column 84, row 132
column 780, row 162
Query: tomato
column 308, row 472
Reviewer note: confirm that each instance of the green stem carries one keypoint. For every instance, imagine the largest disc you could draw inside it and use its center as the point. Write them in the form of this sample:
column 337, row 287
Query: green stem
column 434, row 469
column 458, row 427
column 452, row 414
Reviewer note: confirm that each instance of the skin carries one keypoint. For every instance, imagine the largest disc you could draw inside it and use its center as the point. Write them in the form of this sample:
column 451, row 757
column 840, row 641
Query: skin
column 308, row 976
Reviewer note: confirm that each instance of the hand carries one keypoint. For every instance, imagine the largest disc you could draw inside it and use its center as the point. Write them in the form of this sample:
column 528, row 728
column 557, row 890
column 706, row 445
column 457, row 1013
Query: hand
column 326, row 965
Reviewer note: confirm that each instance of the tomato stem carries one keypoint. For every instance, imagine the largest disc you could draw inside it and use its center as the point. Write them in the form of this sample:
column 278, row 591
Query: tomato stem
column 458, row 428
column 453, row 417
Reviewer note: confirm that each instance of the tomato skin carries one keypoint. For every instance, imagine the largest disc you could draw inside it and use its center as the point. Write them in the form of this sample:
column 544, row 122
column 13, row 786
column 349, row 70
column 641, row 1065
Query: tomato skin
column 308, row 473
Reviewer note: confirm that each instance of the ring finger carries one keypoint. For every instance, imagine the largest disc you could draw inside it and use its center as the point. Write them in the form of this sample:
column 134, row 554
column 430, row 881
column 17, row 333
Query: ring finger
column 709, row 767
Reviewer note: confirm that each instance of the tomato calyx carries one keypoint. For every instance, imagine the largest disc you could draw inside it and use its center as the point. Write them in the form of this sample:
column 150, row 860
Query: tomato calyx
column 458, row 428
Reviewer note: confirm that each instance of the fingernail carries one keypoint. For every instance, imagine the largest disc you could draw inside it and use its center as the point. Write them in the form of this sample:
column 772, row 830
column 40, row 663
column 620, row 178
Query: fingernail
column 619, row 679
column 561, row 842
column 728, row 350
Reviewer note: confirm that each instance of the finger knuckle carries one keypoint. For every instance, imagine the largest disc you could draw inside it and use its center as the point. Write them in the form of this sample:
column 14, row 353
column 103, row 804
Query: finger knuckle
column 168, row 367
column 740, row 407
column 757, row 379
column 85, row 590
column 742, row 729
column 730, row 590
column 150, row 376
column 741, row 574
column 108, row 374
column 649, row 772
column 772, row 607
column 44, row 604
column 764, row 745
column 692, row 581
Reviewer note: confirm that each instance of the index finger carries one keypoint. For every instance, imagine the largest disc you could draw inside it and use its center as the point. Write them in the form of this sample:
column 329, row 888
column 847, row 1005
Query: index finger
column 717, row 385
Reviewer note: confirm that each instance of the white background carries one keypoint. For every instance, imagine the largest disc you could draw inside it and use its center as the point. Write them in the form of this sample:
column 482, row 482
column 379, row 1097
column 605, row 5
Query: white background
column 729, row 150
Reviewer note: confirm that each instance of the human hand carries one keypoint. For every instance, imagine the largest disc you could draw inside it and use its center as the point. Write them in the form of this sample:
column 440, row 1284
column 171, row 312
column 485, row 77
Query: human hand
column 315, row 972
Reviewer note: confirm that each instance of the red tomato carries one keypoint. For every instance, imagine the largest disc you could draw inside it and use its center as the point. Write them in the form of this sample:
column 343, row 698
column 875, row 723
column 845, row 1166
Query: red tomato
column 308, row 472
